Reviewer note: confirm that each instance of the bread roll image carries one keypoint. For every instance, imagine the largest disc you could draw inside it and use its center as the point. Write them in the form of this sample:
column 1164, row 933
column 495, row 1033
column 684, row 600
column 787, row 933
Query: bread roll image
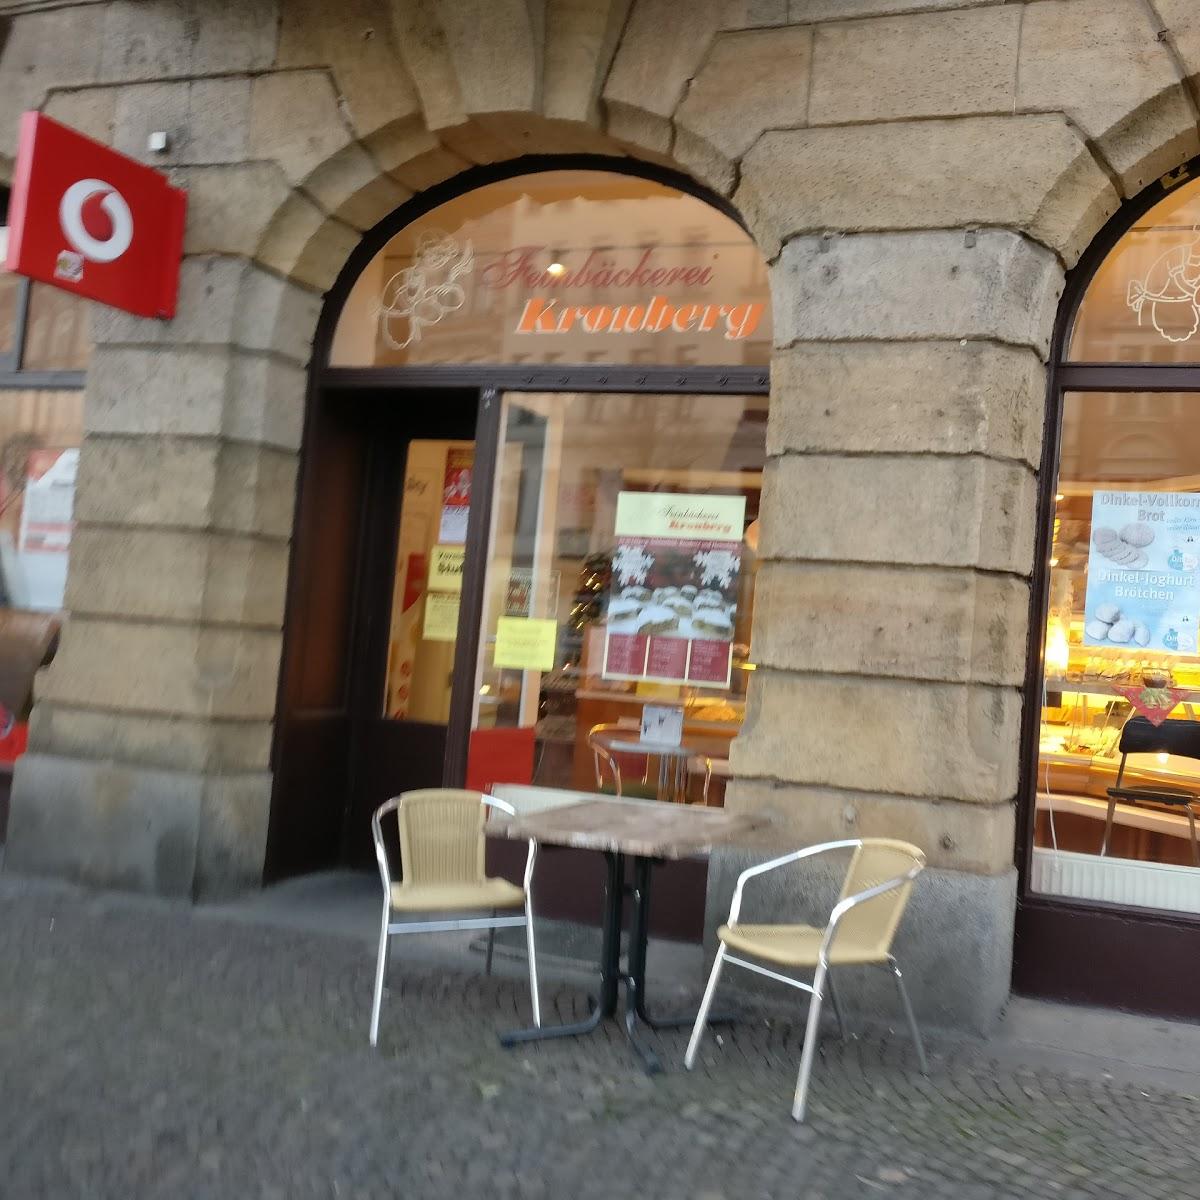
column 712, row 623
column 1121, row 632
column 678, row 604
column 1097, row 631
column 1122, row 553
column 624, row 609
column 1108, row 613
column 1108, row 542
column 1137, row 533
column 689, row 590
column 1141, row 634
column 660, row 594
column 635, row 593
column 657, row 619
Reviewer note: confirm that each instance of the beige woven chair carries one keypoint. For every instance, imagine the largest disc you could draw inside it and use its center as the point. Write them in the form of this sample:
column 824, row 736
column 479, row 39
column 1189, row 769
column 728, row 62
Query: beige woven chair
column 859, row 933
column 442, row 844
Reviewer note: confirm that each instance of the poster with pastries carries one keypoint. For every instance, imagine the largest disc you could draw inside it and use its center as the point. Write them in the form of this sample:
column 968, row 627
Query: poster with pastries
column 672, row 606
column 1143, row 585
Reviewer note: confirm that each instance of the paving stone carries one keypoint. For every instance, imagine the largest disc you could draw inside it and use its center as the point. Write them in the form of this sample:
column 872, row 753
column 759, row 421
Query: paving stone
column 148, row 1050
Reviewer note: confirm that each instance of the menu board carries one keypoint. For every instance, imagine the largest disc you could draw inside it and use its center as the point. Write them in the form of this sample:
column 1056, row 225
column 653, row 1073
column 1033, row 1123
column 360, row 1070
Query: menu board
column 1142, row 587
column 672, row 607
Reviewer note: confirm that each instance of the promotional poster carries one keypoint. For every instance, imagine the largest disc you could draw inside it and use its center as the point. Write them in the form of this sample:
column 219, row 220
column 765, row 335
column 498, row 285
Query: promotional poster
column 673, row 601
column 1142, row 586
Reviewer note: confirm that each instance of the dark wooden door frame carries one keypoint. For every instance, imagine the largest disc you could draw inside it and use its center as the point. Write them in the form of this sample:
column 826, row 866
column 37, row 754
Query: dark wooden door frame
column 470, row 609
column 1145, row 960
column 376, row 429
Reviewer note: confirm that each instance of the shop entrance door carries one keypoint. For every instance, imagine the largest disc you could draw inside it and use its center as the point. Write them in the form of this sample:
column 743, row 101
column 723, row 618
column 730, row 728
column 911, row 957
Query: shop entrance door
column 369, row 670
column 618, row 587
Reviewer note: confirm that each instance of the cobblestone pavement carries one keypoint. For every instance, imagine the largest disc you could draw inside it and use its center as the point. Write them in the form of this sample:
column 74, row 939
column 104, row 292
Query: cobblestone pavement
column 146, row 1052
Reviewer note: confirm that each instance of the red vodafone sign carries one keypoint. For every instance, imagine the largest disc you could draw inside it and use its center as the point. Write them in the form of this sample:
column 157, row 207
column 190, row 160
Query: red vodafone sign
column 94, row 222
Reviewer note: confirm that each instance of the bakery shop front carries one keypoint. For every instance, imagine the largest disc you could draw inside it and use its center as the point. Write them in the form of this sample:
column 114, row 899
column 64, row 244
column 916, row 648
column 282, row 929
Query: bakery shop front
column 528, row 510
column 1110, row 899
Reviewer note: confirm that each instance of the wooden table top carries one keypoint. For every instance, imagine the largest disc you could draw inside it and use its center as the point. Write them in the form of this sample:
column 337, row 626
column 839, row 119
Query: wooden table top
column 644, row 829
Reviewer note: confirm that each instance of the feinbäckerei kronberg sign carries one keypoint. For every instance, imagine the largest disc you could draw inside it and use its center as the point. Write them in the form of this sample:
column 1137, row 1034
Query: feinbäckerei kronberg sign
column 94, row 222
column 655, row 314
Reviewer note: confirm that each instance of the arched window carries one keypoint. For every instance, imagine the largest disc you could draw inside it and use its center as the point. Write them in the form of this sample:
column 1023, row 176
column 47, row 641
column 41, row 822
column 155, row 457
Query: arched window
column 1122, row 586
column 569, row 266
column 533, row 464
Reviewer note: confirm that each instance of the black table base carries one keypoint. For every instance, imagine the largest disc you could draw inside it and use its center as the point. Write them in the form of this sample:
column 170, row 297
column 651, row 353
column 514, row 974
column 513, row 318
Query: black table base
column 611, row 974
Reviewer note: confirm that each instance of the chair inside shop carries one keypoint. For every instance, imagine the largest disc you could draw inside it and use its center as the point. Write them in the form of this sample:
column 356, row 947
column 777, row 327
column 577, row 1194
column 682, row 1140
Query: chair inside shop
column 1141, row 736
column 619, row 773
column 628, row 774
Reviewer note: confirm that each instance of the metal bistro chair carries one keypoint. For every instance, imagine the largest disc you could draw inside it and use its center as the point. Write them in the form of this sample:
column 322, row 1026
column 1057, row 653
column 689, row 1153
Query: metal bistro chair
column 859, row 933
column 442, row 845
column 597, row 740
column 1141, row 736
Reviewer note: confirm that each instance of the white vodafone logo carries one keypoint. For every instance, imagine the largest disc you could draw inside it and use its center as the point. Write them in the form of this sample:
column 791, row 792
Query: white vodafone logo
column 96, row 220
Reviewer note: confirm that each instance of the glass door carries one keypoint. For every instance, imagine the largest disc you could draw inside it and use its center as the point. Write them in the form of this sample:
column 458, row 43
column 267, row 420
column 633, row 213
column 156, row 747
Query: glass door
column 615, row 628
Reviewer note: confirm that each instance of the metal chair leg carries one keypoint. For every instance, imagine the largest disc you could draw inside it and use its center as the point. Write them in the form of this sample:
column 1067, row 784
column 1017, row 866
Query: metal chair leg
column 1192, row 826
column 811, row 1033
column 491, row 946
column 380, row 973
column 702, row 1016
column 1108, row 824
column 837, row 1007
column 908, row 1012
column 529, row 939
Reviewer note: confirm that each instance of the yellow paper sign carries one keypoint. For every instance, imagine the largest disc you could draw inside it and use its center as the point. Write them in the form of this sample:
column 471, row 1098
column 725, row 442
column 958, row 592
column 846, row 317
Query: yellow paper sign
column 446, row 568
column 649, row 690
column 526, row 643
column 441, row 617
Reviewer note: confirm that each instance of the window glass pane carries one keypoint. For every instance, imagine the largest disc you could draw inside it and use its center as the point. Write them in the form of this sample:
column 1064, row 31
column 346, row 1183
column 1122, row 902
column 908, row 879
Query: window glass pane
column 1143, row 305
column 58, row 333
column 40, row 432
column 429, row 560
column 1121, row 646
column 620, row 578
column 562, row 266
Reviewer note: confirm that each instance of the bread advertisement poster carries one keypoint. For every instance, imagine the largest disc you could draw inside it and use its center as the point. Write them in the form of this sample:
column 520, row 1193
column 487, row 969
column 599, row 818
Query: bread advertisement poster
column 1142, row 587
column 673, row 600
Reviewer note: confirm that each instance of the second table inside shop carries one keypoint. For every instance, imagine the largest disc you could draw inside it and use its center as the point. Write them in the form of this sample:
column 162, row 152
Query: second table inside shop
column 641, row 833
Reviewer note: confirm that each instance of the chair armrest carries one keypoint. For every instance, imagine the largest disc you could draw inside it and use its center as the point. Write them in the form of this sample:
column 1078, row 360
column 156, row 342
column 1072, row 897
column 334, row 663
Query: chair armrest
column 509, row 810
column 842, row 907
column 495, row 802
column 381, row 858
column 786, row 860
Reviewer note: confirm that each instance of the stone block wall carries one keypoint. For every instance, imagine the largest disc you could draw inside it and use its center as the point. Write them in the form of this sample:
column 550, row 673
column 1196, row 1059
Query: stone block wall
column 920, row 175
